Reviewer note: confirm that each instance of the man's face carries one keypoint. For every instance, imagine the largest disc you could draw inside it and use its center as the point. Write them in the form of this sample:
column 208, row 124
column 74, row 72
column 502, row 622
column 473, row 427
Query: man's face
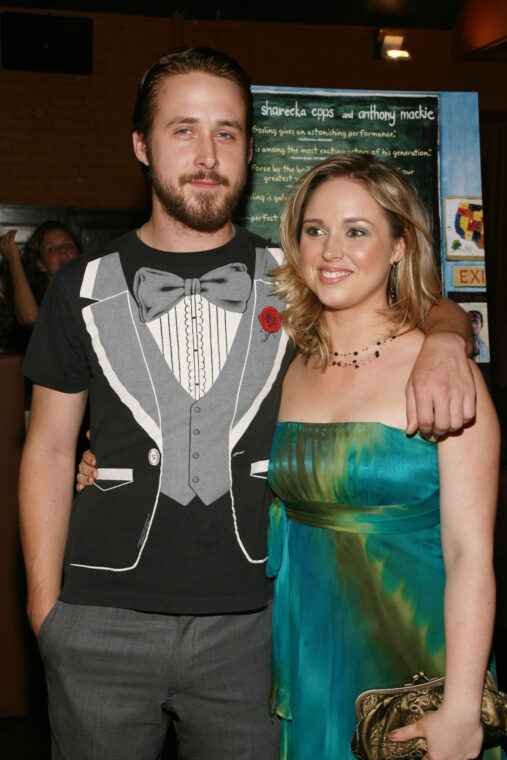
column 476, row 320
column 197, row 150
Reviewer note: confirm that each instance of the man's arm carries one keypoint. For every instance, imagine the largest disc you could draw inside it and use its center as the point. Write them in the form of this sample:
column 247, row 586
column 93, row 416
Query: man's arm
column 441, row 390
column 45, row 493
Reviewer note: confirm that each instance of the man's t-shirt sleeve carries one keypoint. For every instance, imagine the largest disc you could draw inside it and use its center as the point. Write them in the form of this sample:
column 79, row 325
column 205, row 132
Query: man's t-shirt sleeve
column 56, row 357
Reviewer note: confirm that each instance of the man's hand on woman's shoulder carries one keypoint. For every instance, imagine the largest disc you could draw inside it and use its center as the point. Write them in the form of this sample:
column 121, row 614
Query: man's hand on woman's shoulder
column 441, row 390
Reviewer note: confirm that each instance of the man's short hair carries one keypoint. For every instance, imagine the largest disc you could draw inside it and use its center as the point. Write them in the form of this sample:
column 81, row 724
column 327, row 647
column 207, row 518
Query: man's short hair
column 475, row 312
column 187, row 61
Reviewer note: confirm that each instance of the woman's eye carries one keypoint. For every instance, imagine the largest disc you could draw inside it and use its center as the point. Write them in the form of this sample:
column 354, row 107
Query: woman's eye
column 314, row 231
column 355, row 232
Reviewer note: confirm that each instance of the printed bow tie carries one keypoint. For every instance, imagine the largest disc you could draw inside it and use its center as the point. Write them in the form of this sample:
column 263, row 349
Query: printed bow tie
column 156, row 291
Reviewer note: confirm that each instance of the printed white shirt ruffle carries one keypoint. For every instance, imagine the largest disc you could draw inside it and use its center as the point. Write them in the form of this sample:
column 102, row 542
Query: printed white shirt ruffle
column 195, row 338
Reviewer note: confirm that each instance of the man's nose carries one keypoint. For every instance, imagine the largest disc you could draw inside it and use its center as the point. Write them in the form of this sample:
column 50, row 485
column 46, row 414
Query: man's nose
column 207, row 153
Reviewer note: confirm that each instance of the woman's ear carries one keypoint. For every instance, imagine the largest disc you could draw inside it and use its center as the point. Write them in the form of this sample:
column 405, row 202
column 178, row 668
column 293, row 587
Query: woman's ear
column 400, row 247
column 39, row 263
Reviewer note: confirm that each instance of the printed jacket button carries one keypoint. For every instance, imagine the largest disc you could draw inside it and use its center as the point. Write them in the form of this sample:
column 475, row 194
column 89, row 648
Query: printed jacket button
column 154, row 457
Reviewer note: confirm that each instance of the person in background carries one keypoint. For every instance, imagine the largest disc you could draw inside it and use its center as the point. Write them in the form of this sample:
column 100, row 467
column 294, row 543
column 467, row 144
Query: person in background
column 481, row 350
column 381, row 544
column 26, row 276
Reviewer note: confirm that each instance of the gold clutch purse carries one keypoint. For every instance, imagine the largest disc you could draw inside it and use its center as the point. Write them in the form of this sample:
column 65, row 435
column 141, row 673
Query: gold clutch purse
column 380, row 711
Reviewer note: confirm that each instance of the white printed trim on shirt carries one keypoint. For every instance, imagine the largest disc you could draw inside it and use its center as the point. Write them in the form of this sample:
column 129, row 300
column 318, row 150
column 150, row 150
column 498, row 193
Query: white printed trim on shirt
column 259, row 469
column 88, row 282
column 117, row 476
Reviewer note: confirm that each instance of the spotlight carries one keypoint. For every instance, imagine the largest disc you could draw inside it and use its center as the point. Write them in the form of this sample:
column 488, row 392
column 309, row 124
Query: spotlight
column 391, row 45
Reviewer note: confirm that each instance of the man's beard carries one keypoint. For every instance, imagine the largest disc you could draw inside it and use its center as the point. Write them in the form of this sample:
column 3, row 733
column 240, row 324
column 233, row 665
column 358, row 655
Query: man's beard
column 202, row 212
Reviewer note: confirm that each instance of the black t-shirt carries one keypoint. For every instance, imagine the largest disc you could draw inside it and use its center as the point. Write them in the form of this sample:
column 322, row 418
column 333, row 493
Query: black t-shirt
column 132, row 542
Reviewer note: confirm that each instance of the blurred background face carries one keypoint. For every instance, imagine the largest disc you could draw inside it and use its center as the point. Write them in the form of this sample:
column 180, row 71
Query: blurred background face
column 476, row 320
column 56, row 248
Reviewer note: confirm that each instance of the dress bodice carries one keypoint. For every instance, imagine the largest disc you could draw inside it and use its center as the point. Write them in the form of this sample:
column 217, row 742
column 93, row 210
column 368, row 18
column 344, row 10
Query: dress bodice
column 363, row 477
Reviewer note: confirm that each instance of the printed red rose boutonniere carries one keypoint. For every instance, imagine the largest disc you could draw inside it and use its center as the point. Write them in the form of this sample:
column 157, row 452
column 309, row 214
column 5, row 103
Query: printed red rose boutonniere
column 271, row 321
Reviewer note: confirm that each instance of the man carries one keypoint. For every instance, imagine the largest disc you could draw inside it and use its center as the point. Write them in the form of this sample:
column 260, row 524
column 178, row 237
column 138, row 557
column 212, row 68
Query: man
column 164, row 611
column 480, row 351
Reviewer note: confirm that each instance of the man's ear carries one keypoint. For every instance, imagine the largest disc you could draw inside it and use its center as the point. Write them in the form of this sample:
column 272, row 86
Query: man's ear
column 139, row 145
column 250, row 150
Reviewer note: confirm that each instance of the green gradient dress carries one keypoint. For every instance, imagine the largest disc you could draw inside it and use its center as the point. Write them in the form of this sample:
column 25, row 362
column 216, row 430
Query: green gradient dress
column 355, row 549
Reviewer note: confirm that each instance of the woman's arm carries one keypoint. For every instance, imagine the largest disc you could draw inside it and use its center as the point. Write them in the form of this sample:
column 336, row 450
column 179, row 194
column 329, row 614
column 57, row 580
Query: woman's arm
column 468, row 464
column 25, row 305
column 87, row 471
column 440, row 392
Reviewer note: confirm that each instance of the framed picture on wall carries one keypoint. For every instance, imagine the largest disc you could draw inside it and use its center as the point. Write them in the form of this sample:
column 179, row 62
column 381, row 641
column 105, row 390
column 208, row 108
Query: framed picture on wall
column 464, row 227
column 478, row 314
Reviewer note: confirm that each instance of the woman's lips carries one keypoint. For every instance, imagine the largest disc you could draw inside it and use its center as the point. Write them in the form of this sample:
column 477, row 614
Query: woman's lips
column 332, row 276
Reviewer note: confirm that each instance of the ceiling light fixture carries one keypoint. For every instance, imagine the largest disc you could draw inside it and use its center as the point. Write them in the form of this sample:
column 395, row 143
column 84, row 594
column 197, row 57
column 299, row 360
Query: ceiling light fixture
column 391, row 45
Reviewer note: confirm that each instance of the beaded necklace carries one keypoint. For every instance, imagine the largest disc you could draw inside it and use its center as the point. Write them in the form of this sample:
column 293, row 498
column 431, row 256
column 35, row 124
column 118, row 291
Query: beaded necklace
column 374, row 348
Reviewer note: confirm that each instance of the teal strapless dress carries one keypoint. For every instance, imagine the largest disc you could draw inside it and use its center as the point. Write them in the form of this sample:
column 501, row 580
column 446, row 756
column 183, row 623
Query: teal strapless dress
column 354, row 545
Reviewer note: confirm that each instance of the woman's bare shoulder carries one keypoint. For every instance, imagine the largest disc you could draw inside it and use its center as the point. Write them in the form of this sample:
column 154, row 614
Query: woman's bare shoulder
column 410, row 342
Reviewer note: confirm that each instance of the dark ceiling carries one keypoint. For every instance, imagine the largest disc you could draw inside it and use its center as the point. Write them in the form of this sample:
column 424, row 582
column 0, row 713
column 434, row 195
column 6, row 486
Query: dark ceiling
column 408, row 14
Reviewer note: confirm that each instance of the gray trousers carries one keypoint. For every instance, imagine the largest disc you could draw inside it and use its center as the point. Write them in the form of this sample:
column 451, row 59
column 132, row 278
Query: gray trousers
column 117, row 677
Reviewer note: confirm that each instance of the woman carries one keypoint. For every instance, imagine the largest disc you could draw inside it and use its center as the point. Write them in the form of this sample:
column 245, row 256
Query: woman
column 51, row 244
column 381, row 544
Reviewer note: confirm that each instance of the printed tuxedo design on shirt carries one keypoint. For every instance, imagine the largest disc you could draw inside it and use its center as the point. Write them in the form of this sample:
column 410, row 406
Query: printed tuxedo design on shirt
column 195, row 338
column 193, row 379
column 194, row 320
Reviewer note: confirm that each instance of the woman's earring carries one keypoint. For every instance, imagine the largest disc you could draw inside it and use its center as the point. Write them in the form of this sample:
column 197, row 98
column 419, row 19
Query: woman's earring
column 391, row 287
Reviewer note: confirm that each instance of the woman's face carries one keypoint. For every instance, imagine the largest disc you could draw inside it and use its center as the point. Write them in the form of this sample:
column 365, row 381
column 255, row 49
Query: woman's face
column 56, row 248
column 346, row 246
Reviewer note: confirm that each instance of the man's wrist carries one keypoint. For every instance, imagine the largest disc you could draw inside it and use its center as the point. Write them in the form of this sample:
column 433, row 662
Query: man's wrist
column 448, row 338
column 38, row 606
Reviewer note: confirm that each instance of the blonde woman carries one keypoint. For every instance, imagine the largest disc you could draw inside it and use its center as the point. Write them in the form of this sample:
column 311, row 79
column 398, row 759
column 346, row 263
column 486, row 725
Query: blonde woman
column 380, row 543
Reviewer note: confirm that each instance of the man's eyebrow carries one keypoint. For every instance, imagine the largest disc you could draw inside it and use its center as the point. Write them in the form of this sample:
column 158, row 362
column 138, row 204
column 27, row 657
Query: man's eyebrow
column 231, row 123
column 234, row 123
column 182, row 120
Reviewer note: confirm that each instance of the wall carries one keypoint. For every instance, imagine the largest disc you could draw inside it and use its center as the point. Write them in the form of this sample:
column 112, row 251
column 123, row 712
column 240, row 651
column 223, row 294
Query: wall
column 66, row 138
column 14, row 694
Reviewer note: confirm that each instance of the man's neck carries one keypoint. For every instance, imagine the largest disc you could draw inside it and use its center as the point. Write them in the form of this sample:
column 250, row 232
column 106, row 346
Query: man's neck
column 165, row 233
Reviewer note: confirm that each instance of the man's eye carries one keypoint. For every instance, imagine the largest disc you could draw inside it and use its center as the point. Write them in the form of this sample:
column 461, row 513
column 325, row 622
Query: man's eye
column 225, row 135
column 184, row 131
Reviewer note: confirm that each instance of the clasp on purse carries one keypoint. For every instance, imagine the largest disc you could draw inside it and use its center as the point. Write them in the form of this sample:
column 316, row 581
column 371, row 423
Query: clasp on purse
column 418, row 679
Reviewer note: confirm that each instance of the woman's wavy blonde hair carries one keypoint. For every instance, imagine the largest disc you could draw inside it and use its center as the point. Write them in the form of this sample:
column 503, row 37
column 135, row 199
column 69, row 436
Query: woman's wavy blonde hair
column 417, row 282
